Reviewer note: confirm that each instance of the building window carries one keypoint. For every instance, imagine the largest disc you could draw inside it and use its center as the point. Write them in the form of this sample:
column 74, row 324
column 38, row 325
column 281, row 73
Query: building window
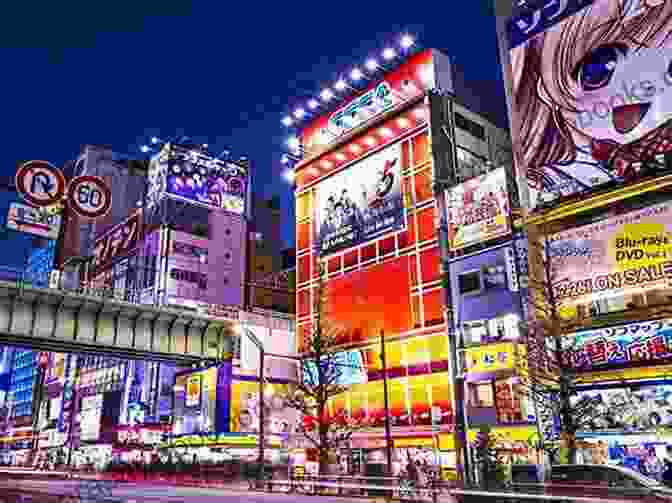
column 469, row 283
column 471, row 127
column 482, row 394
column 469, row 165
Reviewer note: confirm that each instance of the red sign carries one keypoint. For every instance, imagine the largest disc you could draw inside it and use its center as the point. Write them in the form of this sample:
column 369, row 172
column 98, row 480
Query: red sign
column 423, row 71
column 118, row 241
column 89, row 196
column 40, row 183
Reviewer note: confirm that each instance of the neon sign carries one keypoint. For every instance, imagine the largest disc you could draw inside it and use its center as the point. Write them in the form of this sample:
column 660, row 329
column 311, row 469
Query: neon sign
column 624, row 344
column 361, row 109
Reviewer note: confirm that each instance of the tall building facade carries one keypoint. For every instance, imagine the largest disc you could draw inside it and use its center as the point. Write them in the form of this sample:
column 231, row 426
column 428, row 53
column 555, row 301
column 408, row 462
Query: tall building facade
column 370, row 213
column 594, row 175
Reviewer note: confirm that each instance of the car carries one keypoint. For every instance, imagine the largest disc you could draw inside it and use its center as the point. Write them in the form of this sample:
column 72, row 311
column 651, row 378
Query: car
column 599, row 482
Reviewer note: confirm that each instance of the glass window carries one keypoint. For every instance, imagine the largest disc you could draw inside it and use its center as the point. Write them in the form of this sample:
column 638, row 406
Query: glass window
column 482, row 394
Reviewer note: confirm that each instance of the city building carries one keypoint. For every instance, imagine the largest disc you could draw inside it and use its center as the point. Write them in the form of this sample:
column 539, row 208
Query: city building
column 370, row 194
column 595, row 191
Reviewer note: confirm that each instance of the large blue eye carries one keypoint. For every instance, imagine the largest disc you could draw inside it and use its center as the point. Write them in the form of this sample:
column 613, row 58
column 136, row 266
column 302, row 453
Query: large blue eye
column 597, row 68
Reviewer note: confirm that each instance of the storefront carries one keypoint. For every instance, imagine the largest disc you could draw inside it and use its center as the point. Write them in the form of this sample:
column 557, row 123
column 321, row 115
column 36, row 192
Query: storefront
column 514, row 444
column 221, row 447
column 138, row 442
column 627, row 381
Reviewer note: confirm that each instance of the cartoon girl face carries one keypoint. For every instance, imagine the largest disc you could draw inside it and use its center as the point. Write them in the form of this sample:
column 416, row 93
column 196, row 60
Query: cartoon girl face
column 593, row 94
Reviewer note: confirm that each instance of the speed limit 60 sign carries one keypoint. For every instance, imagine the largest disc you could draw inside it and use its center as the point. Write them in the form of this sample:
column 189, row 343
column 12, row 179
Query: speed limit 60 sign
column 89, row 197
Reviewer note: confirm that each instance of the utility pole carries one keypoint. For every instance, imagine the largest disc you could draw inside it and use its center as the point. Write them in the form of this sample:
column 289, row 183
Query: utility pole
column 388, row 434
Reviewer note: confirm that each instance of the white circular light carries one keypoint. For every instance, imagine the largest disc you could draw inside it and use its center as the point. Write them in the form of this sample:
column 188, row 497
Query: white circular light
column 403, row 122
column 356, row 74
column 284, row 159
column 144, row 149
column 371, row 65
column 313, row 104
column 340, row 157
column 369, row 141
column 340, row 85
column 406, row 41
column 155, row 140
column 386, row 132
column 326, row 164
column 355, row 149
column 288, row 175
column 389, row 54
column 326, row 95
column 205, row 145
column 287, row 121
column 299, row 113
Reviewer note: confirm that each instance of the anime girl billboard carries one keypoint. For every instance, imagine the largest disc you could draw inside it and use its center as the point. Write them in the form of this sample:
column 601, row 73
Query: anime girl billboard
column 591, row 95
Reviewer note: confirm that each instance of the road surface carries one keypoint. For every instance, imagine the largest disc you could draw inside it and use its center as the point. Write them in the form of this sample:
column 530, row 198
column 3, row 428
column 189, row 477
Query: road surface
column 92, row 491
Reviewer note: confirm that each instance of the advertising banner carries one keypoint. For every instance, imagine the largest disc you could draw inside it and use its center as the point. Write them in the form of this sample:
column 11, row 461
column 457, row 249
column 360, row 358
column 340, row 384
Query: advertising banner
column 361, row 202
column 118, row 241
column 646, row 341
column 196, row 177
column 587, row 113
column 193, row 398
column 347, row 368
column 622, row 255
column 629, row 408
column 187, row 269
column 92, row 408
column 245, row 404
column 478, row 210
column 37, row 221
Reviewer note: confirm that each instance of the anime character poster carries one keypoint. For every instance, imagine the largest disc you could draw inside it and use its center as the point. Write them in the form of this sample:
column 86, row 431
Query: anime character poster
column 591, row 95
column 360, row 203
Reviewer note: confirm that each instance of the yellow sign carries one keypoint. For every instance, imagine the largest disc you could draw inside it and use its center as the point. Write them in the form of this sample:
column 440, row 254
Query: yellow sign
column 414, row 442
column 220, row 439
column 502, row 356
column 509, row 433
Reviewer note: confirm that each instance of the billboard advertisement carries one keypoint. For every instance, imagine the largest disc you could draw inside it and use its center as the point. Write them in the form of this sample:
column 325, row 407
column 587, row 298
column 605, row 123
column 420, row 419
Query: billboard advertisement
column 428, row 69
column 590, row 96
column 245, row 404
column 631, row 408
column 605, row 263
column 37, row 221
column 361, row 202
column 196, row 177
column 118, row 241
column 478, row 210
column 344, row 369
column 621, row 345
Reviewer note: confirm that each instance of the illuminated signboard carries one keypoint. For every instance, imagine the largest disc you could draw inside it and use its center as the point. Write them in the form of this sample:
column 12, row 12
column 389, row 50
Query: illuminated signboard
column 118, row 241
column 37, row 221
column 647, row 341
column 610, row 128
column 478, row 210
column 423, row 71
column 195, row 177
column 602, row 265
column 347, row 368
column 361, row 202
column 361, row 109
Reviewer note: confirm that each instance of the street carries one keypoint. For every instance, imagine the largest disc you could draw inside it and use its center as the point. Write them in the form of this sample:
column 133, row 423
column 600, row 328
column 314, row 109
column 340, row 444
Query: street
column 95, row 491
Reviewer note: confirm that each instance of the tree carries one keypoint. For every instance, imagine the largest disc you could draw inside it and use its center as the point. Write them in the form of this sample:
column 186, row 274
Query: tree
column 323, row 370
column 551, row 376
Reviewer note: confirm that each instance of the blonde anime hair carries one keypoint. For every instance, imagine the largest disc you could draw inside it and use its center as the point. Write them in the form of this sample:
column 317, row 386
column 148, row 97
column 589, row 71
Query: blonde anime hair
column 545, row 85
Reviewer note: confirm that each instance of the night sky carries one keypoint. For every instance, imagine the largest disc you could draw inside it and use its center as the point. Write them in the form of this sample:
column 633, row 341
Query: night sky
column 224, row 73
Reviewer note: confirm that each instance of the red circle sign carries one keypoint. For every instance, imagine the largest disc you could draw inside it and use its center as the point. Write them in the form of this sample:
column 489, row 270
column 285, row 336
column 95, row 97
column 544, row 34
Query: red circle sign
column 40, row 183
column 89, row 197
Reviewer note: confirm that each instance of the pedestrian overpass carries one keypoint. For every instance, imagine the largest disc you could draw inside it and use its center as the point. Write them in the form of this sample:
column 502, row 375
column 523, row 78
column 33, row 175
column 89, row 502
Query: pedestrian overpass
column 64, row 321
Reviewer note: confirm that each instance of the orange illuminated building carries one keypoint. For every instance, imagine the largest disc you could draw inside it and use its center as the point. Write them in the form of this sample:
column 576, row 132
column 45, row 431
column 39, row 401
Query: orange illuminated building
column 366, row 208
